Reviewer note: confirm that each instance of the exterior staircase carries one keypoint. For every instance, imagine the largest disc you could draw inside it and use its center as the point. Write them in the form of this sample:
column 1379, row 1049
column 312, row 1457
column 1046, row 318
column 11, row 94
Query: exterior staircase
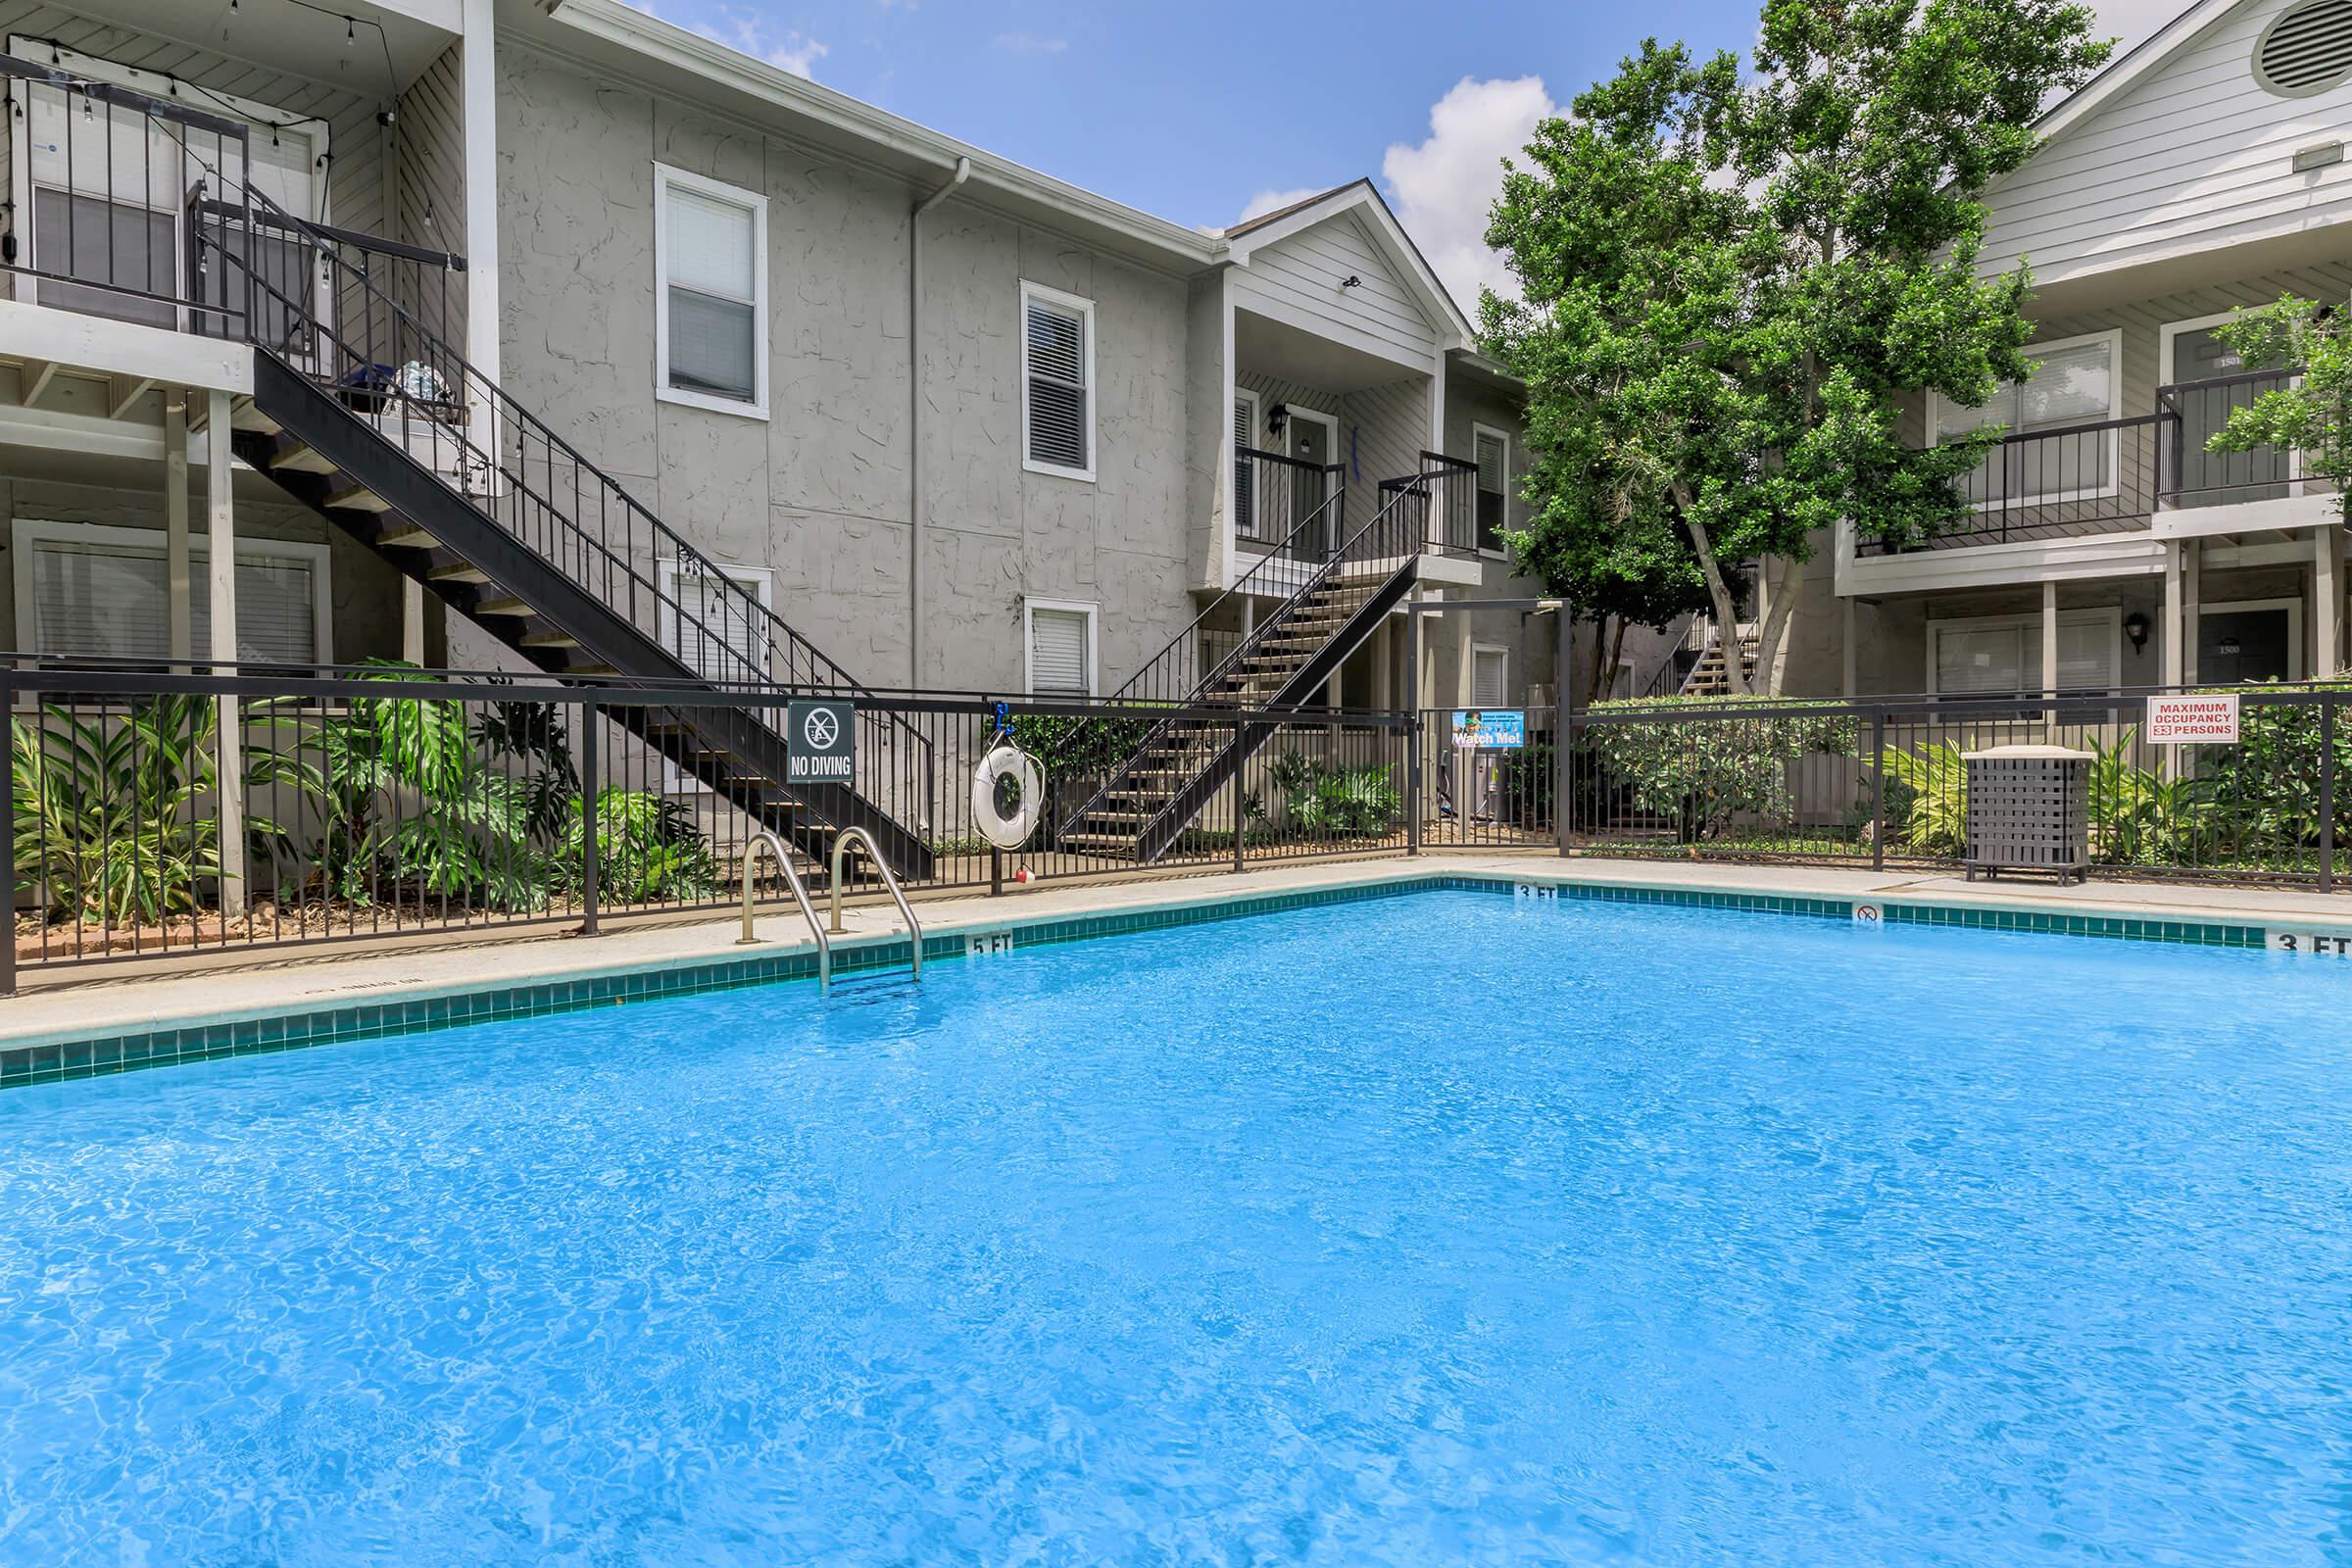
column 1711, row 677
column 1287, row 658
column 464, row 491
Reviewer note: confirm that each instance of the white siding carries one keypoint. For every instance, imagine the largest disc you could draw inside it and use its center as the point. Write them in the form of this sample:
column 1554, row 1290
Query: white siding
column 1298, row 280
column 2194, row 157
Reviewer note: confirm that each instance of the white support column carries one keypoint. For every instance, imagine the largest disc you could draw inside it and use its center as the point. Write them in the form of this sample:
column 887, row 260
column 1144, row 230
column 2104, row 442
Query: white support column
column 477, row 87
column 2173, row 595
column 2049, row 660
column 1846, row 652
column 2192, row 598
column 412, row 620
column 2327, row 601
column 179, row 607
column 221, row 532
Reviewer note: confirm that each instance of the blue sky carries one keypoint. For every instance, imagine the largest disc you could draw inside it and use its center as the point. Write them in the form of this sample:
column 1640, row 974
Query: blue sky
column 1194, row 112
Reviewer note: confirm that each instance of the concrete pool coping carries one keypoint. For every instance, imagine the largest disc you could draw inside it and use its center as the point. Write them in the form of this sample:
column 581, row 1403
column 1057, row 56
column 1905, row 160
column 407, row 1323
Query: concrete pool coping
column 265, row 1000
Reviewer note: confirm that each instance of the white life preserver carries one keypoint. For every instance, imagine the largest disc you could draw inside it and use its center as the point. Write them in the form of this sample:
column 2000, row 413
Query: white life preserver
column 1007, row 832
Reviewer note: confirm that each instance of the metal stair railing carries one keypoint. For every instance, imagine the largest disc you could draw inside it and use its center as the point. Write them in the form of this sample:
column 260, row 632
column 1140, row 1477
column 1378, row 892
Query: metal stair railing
column 1395, row 539
column 425, row 397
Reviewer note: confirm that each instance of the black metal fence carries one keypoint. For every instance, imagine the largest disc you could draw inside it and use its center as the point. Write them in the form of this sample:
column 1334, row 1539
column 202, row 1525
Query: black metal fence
column 373, row 802
column 1883, row 783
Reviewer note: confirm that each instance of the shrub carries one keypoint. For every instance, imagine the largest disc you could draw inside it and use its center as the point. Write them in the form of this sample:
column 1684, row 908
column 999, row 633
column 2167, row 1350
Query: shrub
column 1705, row 772
column 648, row 850
column 1927, row 798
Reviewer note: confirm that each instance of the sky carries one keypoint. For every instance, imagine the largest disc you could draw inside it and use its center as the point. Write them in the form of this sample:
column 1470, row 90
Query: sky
column 1207, row 112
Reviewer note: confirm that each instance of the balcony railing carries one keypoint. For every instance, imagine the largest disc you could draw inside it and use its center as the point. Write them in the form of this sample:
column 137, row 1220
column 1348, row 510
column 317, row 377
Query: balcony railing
column 1273, row 494
column 2112, row 477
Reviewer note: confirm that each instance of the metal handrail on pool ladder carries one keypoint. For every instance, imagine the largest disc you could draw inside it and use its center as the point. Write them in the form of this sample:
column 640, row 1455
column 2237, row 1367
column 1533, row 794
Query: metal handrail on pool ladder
column 890, row 879
column 800, row 895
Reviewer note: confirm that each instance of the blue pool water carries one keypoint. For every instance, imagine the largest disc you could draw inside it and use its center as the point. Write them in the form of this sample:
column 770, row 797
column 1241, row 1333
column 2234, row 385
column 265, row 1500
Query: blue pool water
column 1428, row 1230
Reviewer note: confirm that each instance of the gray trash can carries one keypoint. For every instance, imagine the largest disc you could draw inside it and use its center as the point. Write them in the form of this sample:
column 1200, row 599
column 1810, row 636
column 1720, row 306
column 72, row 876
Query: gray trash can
column 2029, row 809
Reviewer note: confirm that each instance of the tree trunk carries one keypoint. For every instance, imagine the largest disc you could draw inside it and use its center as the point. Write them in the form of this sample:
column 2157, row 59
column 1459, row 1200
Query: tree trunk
column 1616, row 653
column 1601, row 638
column 1719, row 591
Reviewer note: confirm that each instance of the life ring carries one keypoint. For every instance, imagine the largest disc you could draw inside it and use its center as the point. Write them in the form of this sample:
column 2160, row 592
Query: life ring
column 1007, row 832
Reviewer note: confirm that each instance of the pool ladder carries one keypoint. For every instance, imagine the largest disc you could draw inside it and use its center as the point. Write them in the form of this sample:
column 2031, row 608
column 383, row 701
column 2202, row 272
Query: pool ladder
column 825, row 933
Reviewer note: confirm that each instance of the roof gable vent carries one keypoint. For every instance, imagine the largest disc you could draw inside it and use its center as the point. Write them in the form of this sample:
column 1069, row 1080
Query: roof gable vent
column 2306, row 49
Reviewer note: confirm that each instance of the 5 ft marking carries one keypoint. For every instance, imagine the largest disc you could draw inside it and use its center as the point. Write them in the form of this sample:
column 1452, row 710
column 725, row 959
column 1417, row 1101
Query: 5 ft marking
column 987, row 943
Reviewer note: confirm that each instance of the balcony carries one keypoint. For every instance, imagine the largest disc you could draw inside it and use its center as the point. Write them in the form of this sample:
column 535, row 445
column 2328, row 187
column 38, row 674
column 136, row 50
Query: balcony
column 2116, row 476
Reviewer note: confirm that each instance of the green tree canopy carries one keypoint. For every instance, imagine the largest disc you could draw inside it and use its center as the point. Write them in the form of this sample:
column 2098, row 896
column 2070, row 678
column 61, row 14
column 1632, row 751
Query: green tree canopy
column 1729, row 279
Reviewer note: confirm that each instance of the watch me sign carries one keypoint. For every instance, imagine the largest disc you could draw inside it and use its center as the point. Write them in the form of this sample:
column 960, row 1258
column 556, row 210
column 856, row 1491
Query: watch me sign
column 820, row 743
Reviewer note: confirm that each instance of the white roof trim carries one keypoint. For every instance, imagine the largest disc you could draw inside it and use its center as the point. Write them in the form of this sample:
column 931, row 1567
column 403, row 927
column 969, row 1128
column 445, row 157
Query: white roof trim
column 2132, row 66
column 651, row 37
column 1453, row 328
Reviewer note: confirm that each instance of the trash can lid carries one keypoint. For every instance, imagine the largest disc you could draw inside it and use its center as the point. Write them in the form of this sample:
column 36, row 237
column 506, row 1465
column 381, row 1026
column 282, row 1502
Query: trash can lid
column 2052, row 754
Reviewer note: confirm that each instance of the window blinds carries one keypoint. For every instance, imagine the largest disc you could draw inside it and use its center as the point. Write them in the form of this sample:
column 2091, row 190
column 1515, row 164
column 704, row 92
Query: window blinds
column 108, row 601
column 713, row 295
column 1057, row 390
column 1494, row 463
column 1058, row 652
column 1487, row 683
column 1244, row 482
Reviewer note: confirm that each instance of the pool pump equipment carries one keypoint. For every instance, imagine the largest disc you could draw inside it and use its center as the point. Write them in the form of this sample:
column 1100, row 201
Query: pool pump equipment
column 2029, row 809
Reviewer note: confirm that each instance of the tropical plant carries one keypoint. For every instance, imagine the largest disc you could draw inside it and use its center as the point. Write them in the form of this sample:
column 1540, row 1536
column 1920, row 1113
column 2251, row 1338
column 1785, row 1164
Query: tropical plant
column 1329, row 802
column 110, row 819
column 1704, row 771
column 1927, row 793
column 648, row 850
column 2140, row 817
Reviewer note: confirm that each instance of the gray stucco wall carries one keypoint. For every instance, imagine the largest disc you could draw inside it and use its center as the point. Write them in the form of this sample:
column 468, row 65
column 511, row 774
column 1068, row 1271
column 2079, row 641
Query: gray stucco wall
column 818, row 492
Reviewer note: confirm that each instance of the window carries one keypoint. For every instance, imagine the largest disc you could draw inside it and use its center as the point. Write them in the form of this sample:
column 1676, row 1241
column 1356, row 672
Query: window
column 1057, row 378
column 711, row 618
column 1493, row 449
column 1489, row 675
column 710, row 293
column 105, row 593
column 1244, row 472
column 2002, row 655
column 2075, row 382
column 109, row 187
column 1061, row 648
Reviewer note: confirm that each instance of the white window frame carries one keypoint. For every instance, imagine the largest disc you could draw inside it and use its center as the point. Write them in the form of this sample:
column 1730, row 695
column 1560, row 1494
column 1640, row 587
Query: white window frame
column 1090, row 608
column 2294, row 626
column 1242, row 395
column 1085, row 309
column 2029, row 622
column 2113, row 339
column 31, row 532
column 668, row 178
column 1504, row 436
column 1501, row 650
column 258, row 115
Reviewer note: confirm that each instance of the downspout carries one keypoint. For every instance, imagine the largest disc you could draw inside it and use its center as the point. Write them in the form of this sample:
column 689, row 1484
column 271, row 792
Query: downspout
column 914, row 418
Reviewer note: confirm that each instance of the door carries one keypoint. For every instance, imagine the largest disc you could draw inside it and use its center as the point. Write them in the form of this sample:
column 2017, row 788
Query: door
column 2242, row 645
column 2209, row 380
column 1313, row 438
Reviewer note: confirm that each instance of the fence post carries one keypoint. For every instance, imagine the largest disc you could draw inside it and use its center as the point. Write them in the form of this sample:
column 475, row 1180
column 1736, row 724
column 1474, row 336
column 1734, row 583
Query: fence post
column 8, row 814
column 2328, row 792
column 995, row 872
column 589, row 787
column 1240, row 824
column 1877, row 790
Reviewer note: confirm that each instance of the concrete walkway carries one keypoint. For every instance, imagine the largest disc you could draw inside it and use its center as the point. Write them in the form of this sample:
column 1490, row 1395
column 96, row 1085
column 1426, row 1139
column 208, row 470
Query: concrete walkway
column 79, row 1003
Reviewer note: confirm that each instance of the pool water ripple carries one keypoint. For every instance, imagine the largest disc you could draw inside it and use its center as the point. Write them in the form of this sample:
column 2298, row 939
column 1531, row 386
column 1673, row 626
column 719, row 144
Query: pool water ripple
column 1423, row 1230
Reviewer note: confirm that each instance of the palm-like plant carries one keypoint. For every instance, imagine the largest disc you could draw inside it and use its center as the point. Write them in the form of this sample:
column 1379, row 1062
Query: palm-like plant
column 1934, row 778
column 111, row 820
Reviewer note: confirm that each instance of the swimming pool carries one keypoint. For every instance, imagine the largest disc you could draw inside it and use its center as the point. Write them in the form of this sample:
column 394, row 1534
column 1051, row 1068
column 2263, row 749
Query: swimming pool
column 1430, row 1229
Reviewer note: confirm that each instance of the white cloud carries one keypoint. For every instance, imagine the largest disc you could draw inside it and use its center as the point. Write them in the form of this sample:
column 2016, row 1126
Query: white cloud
column 1273, row 201
column 1442, row 188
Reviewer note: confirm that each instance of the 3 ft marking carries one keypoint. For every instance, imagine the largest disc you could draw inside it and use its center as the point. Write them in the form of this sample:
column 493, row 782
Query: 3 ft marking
column 1533, row 890
column 2312, row 944
column 987, row 943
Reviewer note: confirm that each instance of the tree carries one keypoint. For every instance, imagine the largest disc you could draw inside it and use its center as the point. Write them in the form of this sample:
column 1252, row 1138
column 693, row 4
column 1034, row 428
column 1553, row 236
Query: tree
column 1728, row 282
column 2313, row 417
column 1611, row 575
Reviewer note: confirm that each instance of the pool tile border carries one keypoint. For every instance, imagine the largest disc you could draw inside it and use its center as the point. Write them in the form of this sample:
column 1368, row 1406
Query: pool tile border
column 55, row 1060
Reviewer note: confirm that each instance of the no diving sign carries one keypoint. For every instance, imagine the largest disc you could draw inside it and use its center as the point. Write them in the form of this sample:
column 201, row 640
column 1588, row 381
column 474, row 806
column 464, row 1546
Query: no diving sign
column 820, row 743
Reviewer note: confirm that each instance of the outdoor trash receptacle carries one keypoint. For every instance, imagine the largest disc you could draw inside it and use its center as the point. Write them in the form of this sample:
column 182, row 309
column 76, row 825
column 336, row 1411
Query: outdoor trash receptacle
column 2029, row 809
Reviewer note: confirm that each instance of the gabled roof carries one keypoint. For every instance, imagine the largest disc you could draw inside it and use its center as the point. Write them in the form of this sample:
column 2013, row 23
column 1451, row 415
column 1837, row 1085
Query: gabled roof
column 1363, row 198
column 2135, row 64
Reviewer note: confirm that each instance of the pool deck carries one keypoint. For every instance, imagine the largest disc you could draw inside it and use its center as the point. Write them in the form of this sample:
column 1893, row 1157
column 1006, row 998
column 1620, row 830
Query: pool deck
column 79, row 1003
